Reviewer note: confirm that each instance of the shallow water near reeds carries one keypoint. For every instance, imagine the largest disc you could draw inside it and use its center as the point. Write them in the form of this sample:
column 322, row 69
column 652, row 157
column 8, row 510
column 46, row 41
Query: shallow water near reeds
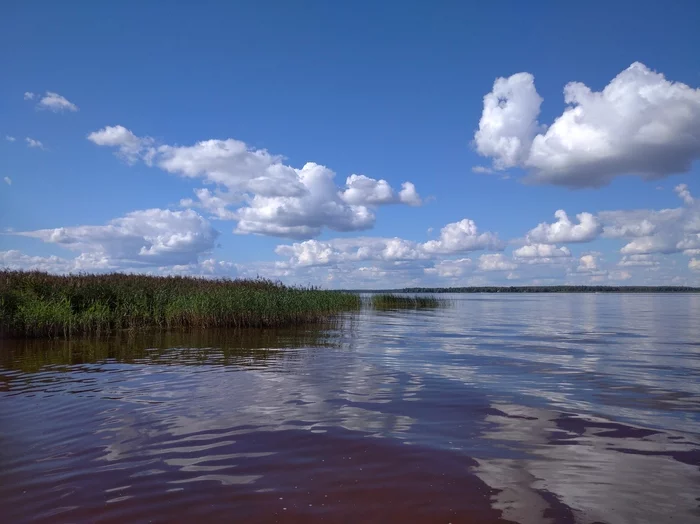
column 499, row 408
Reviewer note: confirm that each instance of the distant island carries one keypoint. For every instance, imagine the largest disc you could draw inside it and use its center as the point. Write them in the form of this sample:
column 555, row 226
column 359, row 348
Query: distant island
column 539, row 289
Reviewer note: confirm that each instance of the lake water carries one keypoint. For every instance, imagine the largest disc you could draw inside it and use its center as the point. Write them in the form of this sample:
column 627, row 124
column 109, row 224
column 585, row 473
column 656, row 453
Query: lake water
column 501, row 408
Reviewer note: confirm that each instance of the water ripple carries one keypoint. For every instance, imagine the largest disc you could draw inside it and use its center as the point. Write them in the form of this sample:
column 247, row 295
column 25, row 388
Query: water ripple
column 548, row 408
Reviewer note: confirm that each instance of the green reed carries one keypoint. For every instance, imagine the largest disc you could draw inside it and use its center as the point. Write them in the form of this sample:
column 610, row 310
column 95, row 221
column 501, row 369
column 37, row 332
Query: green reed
column 35, row 304
column 393, row 301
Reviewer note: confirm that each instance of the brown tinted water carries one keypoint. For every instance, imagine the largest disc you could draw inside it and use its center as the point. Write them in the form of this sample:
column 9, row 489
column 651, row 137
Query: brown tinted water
column 515, row 408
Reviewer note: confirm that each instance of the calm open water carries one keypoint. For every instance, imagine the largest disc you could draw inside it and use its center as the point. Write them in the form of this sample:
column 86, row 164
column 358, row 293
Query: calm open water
column 522, row 408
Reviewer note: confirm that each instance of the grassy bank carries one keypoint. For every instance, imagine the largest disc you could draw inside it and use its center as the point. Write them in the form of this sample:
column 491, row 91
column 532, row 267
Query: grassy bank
column 39, row 305
column 392, row 301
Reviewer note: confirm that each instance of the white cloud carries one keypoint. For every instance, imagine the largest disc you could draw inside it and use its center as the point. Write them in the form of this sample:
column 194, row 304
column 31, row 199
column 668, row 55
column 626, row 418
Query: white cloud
column 7, row 180
column 16, row 260
column 588, row 263
column 541, row 251
column 54, row 102
column 638, row 261
column 457, row 237
column 694, row 264
column 450, row 268
column 34, row 143
column 129, row 146
column 508, row 123
column 463, row 236
column 482, row 170
column 209, row 267
column 260, row 192
column 10, row 138
column 648, row 231
column 358, row 249
column 365, row 191
column 619, row 275
column 622, row 225
column 683, row 192
column 216, row 203
column 496, row 262
column 151, row 237
column 689, row 242
column 95, row 263
column 639, row 124
column 409, row 195
column 563, row 230
column 29, row 95
column 304, row 216
column 650, row 244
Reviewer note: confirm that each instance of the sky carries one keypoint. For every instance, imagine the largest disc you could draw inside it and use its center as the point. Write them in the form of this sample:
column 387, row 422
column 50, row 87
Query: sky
column 353, row 145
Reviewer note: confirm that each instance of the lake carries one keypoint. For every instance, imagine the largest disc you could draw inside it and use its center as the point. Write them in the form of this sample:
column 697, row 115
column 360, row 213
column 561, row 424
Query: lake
column 500, row 408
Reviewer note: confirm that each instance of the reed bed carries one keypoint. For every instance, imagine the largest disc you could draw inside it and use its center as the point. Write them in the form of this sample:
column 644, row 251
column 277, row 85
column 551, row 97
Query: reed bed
column 393, row 301
column 35, row 304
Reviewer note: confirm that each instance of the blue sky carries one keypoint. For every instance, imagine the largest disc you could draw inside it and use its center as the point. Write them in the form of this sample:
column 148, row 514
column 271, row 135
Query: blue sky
column 217, row 138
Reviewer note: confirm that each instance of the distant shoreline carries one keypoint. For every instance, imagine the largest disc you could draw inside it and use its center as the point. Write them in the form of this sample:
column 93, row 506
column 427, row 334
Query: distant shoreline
column 536, row 289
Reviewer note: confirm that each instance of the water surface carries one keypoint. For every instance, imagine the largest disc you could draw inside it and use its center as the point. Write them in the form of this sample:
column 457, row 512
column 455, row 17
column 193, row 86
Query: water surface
column 502, row 408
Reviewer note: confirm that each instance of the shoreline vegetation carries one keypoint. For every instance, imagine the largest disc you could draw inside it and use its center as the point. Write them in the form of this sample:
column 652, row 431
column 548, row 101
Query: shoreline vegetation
column 36, row 304
column 395, row 301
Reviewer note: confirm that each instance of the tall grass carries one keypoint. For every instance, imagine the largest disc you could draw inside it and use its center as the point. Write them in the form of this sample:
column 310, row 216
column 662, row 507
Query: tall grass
column 35, row 304
column 392, row 301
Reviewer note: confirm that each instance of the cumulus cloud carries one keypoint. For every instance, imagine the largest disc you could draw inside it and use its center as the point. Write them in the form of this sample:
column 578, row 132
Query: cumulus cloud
column 16, row 260
column 34, row 143
column 508, row 123
column 305, row 215
column 450, row 268
column 7, row 180
column 482, row 170
column 29, row 95
column 358, row 249
column 564, row 230
column 463, row 236
column 496, row 262
column 363, row 190
column 694, row 264
column 653, row 244
column 10, row 138
column 541, row 251
column 649, row 231
column 455, row 238
column 639, row 124
column 54, row 102
column 260, row 192
column 95, row 263
column 588, row 263
column 689, row 243
column 151, row 237
column 409, row 195
column 129, row 146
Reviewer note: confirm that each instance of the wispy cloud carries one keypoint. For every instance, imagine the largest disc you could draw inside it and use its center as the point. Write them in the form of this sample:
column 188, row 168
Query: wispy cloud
column 10, row 138
column 34, row 143
column 29, row 95
column 8, row 180
column 56, row 103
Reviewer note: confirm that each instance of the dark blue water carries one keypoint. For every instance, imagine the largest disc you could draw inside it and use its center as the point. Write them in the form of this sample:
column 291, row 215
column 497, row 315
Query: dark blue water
column 520, row 408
